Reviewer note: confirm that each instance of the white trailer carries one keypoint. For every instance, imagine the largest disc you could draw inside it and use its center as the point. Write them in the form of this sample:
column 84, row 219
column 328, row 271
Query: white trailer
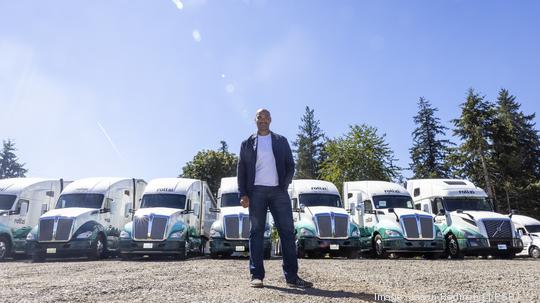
column 22, row 201
column 174, row 219
column 466, row 218
column 87, row 219
column 230, row 231
column 529, row 230
column 385, row 211
column 321, row 223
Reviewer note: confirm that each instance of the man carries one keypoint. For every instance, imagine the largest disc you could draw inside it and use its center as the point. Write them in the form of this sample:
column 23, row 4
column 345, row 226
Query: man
column 265, row 169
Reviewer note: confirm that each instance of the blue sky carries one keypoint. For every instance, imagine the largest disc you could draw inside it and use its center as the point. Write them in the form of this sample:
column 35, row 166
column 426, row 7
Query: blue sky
column 136, row 88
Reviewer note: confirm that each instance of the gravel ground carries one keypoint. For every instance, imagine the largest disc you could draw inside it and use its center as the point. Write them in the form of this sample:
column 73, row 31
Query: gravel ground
column 207, row 280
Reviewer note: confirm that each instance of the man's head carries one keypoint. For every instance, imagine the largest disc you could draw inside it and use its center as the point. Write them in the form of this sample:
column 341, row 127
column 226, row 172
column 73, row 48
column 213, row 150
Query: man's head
column 263, row 120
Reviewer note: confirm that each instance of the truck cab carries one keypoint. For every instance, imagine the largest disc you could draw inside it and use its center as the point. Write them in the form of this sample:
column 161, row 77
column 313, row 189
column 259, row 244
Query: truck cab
column 321, row 223
column 386, row 210
column 466, row 218
column 22, row 201
column 529, row 230
column 87, row 219
column 230, row 232
column 174, row 219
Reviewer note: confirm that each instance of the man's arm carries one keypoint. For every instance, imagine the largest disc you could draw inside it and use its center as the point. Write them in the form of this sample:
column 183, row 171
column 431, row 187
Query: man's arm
column 289, row 164
column 241, row 173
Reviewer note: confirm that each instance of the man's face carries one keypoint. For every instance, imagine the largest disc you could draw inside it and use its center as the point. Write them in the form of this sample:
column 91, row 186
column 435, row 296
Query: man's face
column 263, row 119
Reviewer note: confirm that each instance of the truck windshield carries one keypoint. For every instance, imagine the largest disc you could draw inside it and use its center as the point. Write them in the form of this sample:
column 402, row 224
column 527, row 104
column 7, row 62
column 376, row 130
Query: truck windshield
column 320, row 200
column 453, row 204
column 392, row 202
column 6, row 201
column 164, row 200
column 80, row 200
column 230, row 199
column 533, row 228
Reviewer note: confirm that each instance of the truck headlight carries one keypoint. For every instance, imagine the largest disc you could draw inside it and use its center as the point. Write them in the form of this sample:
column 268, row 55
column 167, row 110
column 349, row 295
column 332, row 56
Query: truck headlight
column 439, row 234
column 124, row 235
column 215, row 233
column 392, row 233
column 355, row 233
column 304, row 232
column 84, row 235
column 177, row 234
column 30, row 237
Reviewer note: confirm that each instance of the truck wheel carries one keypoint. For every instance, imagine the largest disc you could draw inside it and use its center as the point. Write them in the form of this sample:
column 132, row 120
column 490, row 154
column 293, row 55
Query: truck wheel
column 5, row 248
column 534, row 252
column 378, row 248
column 452, row 247
column 99, row 248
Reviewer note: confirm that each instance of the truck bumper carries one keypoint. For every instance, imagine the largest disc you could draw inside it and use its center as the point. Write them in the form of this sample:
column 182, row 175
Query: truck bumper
column 479, row 246
column 330, row 245
column 166, row 247
column 413, row 246
column 74, row 248
column 222, row 245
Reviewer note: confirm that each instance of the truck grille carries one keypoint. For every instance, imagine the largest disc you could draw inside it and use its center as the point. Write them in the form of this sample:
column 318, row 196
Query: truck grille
column 332, row 225
column 497, row 228
column 417, row 227
column 237, row 227
column 150, row 227
column 55, row 229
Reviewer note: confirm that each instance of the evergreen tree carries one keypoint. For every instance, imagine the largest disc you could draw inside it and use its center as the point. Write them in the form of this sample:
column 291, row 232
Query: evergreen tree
column 516, row 148
column 211, row 166
column 429, row 153
column 361, row 154
column 309, row 144
column 475, row 154
column 9, row 164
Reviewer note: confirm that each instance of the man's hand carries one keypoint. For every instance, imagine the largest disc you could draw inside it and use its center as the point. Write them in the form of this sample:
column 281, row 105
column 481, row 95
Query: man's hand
column 244, row 201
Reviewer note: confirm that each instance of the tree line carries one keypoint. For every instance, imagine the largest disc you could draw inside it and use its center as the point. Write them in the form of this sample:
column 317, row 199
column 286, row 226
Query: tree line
column 496, row 146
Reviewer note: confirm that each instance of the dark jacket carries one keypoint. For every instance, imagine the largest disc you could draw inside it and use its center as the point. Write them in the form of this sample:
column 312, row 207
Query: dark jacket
column 248, row 159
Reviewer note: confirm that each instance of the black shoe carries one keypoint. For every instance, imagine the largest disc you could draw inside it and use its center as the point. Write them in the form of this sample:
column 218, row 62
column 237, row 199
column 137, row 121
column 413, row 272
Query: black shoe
column 300, row 283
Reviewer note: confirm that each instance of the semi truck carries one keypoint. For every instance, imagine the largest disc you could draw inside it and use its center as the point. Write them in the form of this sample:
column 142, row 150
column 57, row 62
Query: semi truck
column 386, row 210
column 87, row 219
column 174, row 219
column 230, row 232
column 466, row 218
column 529, row 230
column 22, row 202
column 321, row 223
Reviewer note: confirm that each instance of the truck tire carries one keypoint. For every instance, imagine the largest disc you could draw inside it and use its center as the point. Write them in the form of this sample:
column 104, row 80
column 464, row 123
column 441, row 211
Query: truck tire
column 452, row 247
column 534, row 252
column 378, row 248
column 99, row 248
column 5, row 248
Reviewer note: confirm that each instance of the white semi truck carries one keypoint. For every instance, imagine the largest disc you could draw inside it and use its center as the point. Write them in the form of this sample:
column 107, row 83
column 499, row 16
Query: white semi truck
column 230, row 232
column 174, row 219
column 529, row 230
column 321, row 223
column 386, row 210
column 87, row 219
column 22, row 201
column 466, row 218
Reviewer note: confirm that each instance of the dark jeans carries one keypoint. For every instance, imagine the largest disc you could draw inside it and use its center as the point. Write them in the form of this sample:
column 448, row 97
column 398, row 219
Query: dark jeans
column 262, row 198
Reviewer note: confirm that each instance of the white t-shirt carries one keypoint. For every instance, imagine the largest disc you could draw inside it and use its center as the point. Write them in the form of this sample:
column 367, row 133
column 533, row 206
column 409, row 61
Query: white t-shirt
column 265, row 167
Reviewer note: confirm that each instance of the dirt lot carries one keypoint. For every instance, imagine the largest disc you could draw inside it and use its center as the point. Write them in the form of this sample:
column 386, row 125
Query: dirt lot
column 336, row 280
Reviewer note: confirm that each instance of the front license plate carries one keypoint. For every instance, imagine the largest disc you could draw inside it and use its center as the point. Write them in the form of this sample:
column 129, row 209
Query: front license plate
column 334, row 247
column 501, row 246
column 148, row 245
column 51, row 250
column 240, row 248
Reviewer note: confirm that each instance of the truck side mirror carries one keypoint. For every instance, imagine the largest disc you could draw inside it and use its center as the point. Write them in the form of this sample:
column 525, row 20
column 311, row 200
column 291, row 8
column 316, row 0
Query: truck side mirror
column 24, row 209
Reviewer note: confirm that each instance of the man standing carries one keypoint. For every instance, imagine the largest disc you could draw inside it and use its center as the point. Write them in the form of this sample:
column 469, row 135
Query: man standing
column 265, row 169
